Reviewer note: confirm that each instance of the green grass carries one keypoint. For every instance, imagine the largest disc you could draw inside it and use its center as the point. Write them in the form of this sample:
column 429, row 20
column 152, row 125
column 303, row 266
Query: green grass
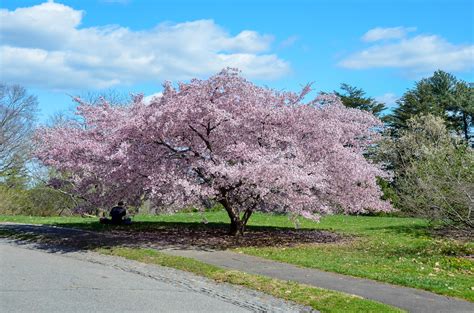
column 395, row 250
column 318, row 298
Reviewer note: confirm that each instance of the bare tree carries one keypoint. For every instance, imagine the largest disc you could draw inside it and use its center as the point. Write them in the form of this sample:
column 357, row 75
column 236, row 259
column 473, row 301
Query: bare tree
column 112, row 96
column 17, row 117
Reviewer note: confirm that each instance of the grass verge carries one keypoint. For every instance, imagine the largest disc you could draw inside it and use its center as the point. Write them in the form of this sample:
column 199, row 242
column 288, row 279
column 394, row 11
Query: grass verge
column 317, row 298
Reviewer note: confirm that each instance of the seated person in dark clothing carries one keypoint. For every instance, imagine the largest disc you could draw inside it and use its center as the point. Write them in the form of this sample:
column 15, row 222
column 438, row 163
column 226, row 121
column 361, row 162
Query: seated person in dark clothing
column 117, row 214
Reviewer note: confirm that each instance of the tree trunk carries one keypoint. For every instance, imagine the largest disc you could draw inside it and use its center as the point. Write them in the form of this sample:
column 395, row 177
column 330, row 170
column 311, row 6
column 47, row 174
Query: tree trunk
column 237, row 224
column 236, row 228
column 465, row 126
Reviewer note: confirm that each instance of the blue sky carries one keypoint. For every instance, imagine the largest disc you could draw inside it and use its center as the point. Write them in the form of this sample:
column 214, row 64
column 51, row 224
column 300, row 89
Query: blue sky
column 63, row 48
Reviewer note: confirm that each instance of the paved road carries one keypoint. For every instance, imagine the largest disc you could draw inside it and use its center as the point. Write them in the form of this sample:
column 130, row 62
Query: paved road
column 37, row 281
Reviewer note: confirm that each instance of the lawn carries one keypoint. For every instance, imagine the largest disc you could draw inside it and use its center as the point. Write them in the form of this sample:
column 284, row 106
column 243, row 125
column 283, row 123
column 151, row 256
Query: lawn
column 400, row 251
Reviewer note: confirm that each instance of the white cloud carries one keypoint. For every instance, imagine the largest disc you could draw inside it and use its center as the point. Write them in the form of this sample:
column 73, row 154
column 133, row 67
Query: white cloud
column 388, row 98
column 44, row 46
column 149, row 98
column 416, row 56
column 380, row 33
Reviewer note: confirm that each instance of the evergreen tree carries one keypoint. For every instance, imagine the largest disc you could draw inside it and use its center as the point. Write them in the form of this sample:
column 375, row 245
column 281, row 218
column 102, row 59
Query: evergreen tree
column 442, row 95
column 461, row 111
column 15, row 176
column 354, row 97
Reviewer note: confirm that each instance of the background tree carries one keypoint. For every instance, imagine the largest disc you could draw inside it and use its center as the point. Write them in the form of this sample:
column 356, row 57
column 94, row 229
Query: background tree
column 20, row 191
column 223, row 140
column 113, row 97
column 17, row 117
column 354, row 97
column 441, row 95
column 461, row 110
column 434, row 171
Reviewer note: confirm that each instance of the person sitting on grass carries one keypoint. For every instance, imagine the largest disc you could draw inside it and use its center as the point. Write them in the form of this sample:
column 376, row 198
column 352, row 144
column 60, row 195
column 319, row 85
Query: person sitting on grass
column 117, row 214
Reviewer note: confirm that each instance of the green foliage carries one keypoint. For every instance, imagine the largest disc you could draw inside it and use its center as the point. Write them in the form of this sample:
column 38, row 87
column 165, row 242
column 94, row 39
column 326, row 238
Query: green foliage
column 15, row 176
column 389, row 192
column 11, row 200
column 434, row 173
column 46, row 201
column 442, row 95
column 39, row 200
column 441, row 186
column 354, row 97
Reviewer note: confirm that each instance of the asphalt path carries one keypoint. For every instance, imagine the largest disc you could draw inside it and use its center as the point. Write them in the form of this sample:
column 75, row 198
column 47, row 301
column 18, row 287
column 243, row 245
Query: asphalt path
column 33, row 280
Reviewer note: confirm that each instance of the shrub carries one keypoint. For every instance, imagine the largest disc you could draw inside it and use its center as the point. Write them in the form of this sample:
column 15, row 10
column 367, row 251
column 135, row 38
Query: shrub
column 434, row 172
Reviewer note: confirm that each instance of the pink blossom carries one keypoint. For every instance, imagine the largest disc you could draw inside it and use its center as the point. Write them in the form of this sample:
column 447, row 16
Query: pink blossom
column 222, row 139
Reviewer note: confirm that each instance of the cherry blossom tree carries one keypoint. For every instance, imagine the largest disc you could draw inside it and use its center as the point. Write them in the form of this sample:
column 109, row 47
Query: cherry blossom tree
column 223, row 140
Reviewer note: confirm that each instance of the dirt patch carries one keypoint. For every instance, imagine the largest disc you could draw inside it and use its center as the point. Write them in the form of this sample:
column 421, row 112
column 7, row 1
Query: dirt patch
column 460, row 234
column 205, row 238
column 217, row 238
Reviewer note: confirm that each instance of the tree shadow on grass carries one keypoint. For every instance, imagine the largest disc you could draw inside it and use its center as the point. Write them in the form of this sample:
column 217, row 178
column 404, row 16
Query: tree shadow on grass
column 429, row 230
column 160, row 235
column 421, row 241
column 415, row 230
